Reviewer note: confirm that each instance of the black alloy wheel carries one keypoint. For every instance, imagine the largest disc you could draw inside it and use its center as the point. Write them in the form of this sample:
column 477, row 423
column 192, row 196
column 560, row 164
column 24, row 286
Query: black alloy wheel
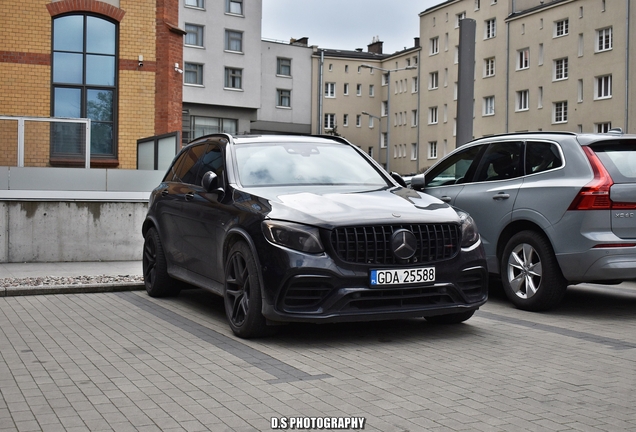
column 155, row 268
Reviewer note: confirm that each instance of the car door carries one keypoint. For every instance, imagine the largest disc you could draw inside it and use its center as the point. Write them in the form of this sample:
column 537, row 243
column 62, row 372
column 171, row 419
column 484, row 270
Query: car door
column 490, row 197
column 447, row 179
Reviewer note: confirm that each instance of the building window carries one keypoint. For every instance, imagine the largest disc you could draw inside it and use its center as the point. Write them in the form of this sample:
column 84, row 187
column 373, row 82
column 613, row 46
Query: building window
column 345, row 90
column 195, row 3
column 371, row 90
column 415, row 85
column 414, row 117
column 581, row 45
column 330, row 90
column 432, row 115
column 604, row 39
column 234, row 7
column 370, row 122
column 602, row 127
column 432, row 150
column 84, row 84
column 579, row 91
column 540, row 98
column 522, row 100
column 358, row 89
column 560, row 69
column 540, row 62
column 284, row 98
column 477, row 4
column 384, row 110
column 562, row 27
column 434, row 46
column 385, row 79
column 456, row 58
column 194, row 35
column 460, row 16
column 330, row 121
column 433, row 81
column 345, row 120
column 233, row 78
column 413, row 151
column 208, row 125
column 283, row 66
column 560, row 112
column 383, row 140
column 491, row 29
column 489, row 67
column 193, row 73
column 358, row 120
column 489, row 106
column 370, row 151
column 233, row 41
column 603, row 87
column 346, row 68
column 523, row 59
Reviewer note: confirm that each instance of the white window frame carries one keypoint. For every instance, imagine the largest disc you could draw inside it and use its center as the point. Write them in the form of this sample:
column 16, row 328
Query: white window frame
column 490, row 28
column 523, row 100
column 345, row 90
column 488, row 106
column 560, row 69
column 358, row 89
column 433, row 115
column 414, row 118
column 603, row 87
column 604, row 39
column 561, row 28
column 415, row 86
column 523, row 59
column 458, row 17
column 345, row 120
column 560, row 112
column 371, row 90
column 329, row 121
column 433, row 80
column 330, row 90
column 358, row 120
column 489, row 67
column 602, row 127
column 413, row 151
column 434, row 45
column 432, row 150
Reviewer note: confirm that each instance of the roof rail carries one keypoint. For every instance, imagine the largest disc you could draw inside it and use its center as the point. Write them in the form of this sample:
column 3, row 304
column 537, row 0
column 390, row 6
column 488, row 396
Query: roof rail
column 616, row 131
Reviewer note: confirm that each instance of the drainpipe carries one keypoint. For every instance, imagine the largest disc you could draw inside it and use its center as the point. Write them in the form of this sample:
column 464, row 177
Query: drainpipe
column 507, row 72
column 627, row 68
column 320, row 84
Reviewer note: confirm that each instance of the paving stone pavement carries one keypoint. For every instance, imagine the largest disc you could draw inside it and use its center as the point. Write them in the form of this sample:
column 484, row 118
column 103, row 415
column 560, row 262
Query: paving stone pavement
column 123, row 361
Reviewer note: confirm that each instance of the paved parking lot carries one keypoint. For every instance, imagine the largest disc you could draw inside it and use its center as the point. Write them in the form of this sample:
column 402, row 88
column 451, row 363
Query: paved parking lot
column 123, row 361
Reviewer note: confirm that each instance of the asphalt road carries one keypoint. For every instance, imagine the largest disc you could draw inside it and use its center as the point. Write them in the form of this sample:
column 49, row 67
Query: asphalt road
column 126, row 362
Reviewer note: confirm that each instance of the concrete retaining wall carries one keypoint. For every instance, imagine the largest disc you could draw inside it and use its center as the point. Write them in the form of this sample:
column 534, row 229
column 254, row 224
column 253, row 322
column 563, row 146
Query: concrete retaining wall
column 72, row 214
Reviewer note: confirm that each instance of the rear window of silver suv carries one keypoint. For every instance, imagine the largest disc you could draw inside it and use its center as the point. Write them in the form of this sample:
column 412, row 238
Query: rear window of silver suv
column 619, row 158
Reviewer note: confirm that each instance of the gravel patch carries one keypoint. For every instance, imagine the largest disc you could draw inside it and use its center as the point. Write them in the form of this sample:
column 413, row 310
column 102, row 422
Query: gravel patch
column 69, row 281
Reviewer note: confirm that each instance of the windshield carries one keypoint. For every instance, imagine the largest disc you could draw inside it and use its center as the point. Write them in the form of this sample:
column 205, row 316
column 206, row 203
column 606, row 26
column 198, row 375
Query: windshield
column 286, row 164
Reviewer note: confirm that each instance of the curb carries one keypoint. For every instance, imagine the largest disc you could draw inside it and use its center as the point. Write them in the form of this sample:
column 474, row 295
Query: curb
column 70, row 289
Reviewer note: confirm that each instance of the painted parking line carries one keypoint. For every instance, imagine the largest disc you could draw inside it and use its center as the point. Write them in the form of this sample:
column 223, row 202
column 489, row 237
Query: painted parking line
column 283, row 372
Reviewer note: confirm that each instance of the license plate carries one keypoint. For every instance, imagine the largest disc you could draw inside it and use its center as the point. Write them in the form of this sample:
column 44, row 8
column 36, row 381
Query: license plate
column 403, row 276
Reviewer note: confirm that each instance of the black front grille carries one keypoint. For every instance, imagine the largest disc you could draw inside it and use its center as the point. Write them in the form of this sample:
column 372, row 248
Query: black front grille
column 372, row 244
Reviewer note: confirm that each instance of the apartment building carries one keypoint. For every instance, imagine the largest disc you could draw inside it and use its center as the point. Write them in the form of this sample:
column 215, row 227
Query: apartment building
column 539, row 65
column 109, row 61
column 370, row 98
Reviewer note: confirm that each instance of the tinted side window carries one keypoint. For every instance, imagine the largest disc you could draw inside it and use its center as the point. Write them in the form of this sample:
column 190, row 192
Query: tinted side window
column 500, row 162
column 453, row 170
column 542, row 156
column 171, row 175
column 213, row 161
column 187, row 170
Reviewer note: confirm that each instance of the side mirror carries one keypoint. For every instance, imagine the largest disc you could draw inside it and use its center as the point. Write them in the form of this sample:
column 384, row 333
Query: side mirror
column 398, row 178
column 417, row 182
column 210, row 183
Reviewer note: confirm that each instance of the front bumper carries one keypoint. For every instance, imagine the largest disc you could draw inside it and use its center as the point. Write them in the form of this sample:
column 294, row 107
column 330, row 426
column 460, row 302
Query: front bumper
column 316, row 289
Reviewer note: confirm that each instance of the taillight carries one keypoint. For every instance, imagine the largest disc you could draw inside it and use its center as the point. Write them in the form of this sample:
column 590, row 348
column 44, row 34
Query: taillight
column 595, row 194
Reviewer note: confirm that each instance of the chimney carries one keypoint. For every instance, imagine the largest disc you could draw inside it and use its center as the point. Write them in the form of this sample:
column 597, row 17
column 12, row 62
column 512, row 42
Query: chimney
column 375, row 46
column 303, row 41
column 416, row 43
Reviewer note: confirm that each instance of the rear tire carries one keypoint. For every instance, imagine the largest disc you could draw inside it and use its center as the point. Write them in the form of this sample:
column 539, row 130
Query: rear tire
column 155, row 268
column 454, row 318
column 530, row 274
column 243, row 294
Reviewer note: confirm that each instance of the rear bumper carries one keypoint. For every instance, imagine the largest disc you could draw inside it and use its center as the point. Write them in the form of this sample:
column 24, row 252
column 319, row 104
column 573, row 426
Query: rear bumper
column 600, row 264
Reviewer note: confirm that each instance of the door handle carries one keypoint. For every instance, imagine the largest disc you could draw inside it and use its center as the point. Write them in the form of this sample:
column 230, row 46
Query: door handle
column 501, row 196
column 189, row 196
column 445, row 198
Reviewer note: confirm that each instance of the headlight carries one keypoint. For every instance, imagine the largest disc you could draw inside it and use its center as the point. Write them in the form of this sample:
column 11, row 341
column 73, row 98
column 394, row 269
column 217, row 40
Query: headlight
column 470, row 235
column 294, row 236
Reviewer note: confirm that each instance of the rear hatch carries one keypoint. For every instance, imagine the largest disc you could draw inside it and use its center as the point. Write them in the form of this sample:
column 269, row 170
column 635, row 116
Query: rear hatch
column 619, row 159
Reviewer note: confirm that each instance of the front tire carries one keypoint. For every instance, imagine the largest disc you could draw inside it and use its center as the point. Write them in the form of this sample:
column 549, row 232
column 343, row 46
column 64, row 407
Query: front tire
column 155, row 268
column 243, row 301
column 530, row 274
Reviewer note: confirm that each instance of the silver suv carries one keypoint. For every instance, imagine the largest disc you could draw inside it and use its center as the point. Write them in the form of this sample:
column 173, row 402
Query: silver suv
column 553, row 208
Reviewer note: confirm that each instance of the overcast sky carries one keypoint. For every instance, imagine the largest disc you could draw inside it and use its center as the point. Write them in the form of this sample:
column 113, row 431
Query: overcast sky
column 345, row 24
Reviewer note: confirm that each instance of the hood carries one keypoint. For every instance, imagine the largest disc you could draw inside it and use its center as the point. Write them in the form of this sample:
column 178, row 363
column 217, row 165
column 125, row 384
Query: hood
column 339, row 207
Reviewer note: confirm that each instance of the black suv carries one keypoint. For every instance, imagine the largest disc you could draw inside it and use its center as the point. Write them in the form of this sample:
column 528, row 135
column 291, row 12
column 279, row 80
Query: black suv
column 307, row 228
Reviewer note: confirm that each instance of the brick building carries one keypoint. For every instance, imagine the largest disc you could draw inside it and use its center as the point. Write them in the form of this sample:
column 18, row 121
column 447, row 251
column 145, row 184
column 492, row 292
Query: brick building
column 112, row 61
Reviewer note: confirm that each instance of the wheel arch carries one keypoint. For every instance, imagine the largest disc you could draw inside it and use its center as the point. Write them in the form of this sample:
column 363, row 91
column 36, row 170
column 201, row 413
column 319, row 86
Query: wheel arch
column 235, row 235
column 513, row 228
